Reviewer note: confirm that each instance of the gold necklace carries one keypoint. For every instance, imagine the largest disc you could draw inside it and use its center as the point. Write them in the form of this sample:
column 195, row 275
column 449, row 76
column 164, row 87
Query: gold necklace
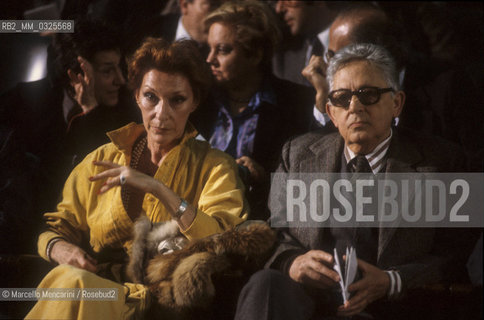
column 135, row 158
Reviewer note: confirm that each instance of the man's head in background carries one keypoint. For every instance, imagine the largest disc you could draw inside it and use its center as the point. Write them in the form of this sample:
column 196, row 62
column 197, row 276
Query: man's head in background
column 193, row 14
column 367, row 24
column 100, row 45
column 307, row 18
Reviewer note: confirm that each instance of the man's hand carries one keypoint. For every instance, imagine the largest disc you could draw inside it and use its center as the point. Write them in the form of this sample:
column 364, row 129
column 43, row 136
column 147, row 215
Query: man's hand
column 314, row 268
column 257, row 172
column 315, row 73
column 84, row 85
column 373, row 286
column 64, row 252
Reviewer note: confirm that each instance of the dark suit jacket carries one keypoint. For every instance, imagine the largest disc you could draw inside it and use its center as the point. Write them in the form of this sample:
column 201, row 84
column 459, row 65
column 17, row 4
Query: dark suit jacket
column 411, row 251
column 157, row 27
column 290, row 60
column 450, row 106
column 289, row 116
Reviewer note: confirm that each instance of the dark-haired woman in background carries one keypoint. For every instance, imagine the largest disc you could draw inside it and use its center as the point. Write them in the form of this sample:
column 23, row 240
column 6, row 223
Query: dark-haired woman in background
column 158, row 169
column 251, row 112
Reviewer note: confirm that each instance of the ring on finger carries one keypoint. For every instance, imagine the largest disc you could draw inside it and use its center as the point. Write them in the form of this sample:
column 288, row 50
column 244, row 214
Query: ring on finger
column 122, row 179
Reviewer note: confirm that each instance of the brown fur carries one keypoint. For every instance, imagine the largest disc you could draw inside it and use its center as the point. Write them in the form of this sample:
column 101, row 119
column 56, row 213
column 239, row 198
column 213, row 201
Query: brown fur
column 145, row 245
column 183, row 278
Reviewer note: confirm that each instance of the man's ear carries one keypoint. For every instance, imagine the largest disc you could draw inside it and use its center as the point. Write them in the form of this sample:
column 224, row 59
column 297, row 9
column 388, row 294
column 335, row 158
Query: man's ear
column 398, row 102
column 183, row 6
column 329, row 111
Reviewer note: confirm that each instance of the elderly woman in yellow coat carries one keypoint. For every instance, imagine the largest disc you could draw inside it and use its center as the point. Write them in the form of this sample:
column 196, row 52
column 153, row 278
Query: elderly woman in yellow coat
column 158, row 169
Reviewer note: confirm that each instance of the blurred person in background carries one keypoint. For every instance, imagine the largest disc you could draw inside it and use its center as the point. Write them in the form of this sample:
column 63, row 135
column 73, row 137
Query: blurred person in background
column 426, row 108
column 54, row 122
column 250, row 112
column 307, row 23
column 186, row 24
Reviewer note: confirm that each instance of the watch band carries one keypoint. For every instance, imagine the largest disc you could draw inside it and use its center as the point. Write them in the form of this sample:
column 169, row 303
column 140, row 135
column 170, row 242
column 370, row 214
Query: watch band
column 181, row 209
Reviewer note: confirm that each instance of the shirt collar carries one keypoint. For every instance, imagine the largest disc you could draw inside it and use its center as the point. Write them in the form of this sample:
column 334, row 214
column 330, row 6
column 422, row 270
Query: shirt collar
column 264, row 94
column 376, row 157
column 320, row 117
column 323, row 36
column 124, row 137
column 181, row 32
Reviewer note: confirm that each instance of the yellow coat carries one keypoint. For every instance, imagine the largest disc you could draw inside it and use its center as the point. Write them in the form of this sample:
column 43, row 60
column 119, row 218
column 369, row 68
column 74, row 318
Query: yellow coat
column 207, row 178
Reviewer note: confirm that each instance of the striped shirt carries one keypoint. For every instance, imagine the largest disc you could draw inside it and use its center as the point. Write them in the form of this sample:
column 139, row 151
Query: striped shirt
column 375, row 158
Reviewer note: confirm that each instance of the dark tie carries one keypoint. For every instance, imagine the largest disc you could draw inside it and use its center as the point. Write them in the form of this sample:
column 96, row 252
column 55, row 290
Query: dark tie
column 361, row 164
column 317, row 47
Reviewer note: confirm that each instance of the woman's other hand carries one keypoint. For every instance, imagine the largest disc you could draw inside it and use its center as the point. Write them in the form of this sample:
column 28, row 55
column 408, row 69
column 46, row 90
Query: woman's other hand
column 315, row 73
column 117, row 175
column 84, row 85
column 64, row 252
column 257, row 172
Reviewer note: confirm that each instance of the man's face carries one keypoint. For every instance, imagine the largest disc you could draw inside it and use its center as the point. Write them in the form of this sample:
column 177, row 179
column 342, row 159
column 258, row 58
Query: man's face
column 295, row 14
column 363, row 127
column 194, row 12
column 108, row 77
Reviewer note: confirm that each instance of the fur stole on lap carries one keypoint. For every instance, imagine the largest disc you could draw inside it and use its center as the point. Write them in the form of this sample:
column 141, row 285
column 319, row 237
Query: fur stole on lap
column 183, row 278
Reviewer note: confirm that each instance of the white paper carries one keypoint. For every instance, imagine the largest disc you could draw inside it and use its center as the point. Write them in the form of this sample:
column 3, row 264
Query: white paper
column 350, row 268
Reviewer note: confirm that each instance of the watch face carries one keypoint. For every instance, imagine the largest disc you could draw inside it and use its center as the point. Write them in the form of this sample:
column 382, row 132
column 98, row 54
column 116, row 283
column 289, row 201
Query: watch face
column 181, row 209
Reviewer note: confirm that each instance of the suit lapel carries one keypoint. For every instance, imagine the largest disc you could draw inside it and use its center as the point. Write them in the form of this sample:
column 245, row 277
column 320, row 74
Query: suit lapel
column 326, row 154
column 402, row 158
column 322, row 156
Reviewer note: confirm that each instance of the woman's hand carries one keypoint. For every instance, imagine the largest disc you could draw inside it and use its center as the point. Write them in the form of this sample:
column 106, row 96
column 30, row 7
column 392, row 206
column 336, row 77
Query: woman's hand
column 115, row 174
column 84, row 85
column 315, row 73
column 257, row 172
column 64, row 252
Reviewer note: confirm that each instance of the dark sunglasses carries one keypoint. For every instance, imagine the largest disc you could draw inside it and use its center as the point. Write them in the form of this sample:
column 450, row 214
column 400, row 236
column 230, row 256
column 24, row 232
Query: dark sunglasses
column 366, row 95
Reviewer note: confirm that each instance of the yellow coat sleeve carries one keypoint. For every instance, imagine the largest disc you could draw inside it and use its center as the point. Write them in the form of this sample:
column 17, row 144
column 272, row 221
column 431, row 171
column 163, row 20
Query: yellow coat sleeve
column 69, row 222
column 222, row 203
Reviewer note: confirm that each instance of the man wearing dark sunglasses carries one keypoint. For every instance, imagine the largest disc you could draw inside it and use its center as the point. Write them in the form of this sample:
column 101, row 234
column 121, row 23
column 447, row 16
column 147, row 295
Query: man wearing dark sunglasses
column 364, row 97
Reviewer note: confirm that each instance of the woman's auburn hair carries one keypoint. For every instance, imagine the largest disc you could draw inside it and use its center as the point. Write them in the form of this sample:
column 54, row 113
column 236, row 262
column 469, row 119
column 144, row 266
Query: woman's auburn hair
column 180, row 57
column 254, row 23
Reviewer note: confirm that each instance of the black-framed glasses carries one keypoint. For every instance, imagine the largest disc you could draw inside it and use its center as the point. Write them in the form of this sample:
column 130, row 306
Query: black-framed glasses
column 366, row 95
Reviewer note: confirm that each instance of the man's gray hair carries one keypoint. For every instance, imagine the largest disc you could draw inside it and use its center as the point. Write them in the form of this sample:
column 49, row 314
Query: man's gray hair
column 376, row 55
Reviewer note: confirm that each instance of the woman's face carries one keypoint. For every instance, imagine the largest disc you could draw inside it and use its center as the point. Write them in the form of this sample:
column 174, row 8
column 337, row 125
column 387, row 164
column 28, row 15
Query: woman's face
column 227, row 60
column 166, row 100
column 108, row 77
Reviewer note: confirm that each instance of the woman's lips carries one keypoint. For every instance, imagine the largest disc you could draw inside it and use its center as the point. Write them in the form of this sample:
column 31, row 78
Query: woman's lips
column 159, row 129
